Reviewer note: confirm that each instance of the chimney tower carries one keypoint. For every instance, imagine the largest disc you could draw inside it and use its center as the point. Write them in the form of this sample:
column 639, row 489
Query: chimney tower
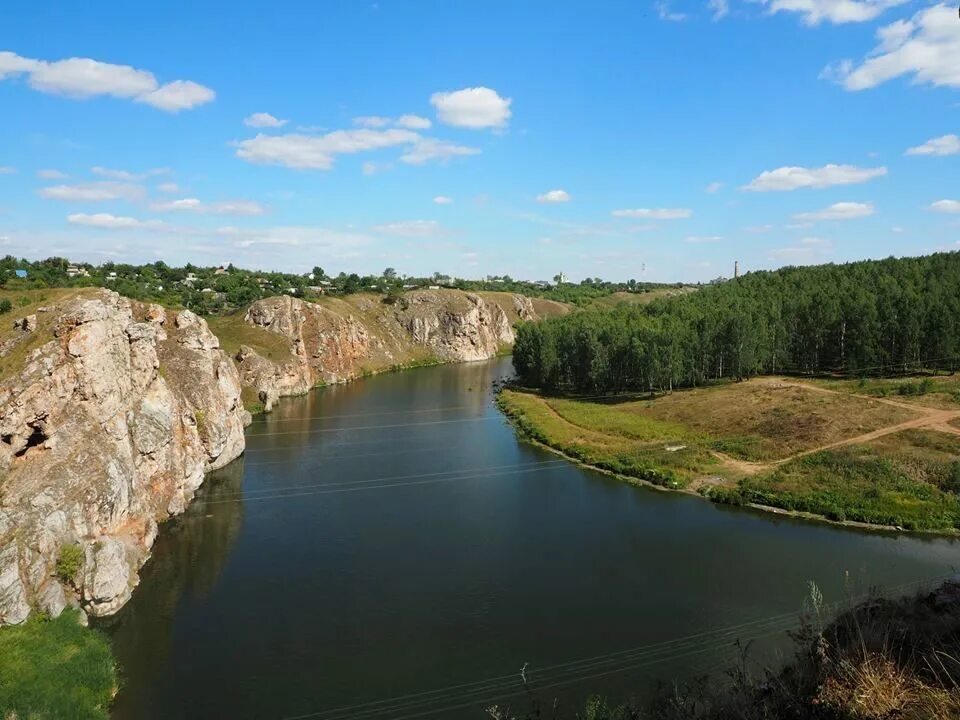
column 736, row 269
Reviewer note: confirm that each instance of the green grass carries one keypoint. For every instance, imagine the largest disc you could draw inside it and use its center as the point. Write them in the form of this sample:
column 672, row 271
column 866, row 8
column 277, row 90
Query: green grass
column 908, row 479
column 55, row 670
column 625, row 444
column 856, row 483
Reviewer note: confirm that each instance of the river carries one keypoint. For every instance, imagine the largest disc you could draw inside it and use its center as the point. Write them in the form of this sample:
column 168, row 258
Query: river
column 388, row 549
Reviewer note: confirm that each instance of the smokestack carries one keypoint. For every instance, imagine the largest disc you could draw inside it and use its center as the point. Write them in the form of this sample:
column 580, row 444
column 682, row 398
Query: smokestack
column 736, row 268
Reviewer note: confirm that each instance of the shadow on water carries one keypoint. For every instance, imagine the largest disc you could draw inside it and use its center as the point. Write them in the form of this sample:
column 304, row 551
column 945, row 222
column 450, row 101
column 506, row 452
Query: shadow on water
column 188, row 558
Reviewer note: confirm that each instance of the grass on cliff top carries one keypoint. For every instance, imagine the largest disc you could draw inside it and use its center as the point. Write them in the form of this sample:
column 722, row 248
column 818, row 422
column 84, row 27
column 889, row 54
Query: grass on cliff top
column 26, row 302
column 910, row 478
column 55, row 670
column 640, row 298
column 233, row 332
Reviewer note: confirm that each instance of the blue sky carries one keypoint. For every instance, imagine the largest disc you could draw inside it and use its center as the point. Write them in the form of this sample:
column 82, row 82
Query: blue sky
column 605, row 139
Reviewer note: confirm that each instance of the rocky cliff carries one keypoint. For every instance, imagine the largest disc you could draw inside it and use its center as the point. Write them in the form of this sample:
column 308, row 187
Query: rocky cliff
column 336, row 340
column 107, row 429
column 112, row 411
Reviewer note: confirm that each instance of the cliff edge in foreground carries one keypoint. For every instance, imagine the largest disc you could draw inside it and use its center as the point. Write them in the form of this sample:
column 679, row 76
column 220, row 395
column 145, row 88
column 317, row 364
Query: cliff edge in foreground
column 117, row 413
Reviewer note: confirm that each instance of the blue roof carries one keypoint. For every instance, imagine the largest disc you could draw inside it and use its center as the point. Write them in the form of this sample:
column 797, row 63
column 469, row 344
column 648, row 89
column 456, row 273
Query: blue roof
column 20, row 273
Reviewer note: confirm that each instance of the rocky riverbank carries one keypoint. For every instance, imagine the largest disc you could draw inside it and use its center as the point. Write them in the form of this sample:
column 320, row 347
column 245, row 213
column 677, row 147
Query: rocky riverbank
column 118, row 409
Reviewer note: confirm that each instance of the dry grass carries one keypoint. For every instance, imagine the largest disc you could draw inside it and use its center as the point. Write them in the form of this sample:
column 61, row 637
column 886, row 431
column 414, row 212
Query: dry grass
column 18, row 345
column 234, row 332
column 765, row 420
column 943, row 392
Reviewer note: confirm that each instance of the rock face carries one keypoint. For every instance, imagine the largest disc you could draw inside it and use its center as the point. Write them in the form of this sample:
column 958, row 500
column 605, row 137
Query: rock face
column 107, row 430
column 338, row 340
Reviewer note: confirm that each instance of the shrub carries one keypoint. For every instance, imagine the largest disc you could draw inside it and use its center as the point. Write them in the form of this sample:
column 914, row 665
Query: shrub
column 69, row 562
column 5, row 306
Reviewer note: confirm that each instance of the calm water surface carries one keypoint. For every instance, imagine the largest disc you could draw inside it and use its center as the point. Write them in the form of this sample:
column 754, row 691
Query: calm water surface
column 390, row 538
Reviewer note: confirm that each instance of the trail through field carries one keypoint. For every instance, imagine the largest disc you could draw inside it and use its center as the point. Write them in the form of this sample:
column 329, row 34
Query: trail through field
column 930, row 419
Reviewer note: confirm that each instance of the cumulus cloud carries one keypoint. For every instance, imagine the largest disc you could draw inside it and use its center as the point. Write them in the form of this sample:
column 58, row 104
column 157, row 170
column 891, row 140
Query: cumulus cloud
column 263, row 120
column 317, row 152
column 926, row 47
column 838, row 12
column 413, row 122
column 654, row 213
column 474, row 108
column 93, row 191
column 838, row 211
column 226, row 207
column 554, row 196
column 50, row 174
column 112, row 222
column 719, row 8
column 714, row 187
column 944, row 145
column 427, row 149
column 411, row 228
column 82, row 78
column 442, row 200
column 945, row 206
column 794, row 178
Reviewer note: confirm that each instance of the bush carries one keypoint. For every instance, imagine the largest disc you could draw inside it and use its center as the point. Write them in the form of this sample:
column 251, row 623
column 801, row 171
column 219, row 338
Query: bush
column 69, row 562
column 5, row 306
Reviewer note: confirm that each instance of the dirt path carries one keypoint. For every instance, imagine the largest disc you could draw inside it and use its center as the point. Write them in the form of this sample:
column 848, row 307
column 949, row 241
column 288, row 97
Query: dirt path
column 930, row 419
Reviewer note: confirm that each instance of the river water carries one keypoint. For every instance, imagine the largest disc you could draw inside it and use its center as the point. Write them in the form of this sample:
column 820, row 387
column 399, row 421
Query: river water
column 388, row 549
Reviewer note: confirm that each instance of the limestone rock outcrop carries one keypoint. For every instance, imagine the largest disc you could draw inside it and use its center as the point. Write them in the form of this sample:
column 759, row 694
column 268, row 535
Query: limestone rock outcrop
column 107, row 430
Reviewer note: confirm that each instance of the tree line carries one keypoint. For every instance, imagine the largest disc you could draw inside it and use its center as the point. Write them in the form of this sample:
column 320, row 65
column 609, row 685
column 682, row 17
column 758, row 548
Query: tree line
column 870, row 317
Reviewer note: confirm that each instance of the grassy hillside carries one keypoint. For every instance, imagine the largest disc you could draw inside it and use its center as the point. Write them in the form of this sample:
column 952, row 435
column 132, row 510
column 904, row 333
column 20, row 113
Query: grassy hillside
column 775, row 442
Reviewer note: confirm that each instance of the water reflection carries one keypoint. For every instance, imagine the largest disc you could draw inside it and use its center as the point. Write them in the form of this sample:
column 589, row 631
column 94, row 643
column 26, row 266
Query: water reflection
column 188, row 559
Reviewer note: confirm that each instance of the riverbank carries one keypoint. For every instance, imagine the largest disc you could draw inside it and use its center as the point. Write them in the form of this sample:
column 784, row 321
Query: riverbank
column 774, row 444
column 877, row 659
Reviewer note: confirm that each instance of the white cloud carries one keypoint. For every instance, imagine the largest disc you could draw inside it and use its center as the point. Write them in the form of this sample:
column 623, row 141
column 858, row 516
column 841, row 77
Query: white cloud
column 945, row 206
column 835, row 11
column 713, row 187
column 7, row 170
column 168, row 187
column 896, row 229
column 838, row 211
column 112, row 222
column 944, row 145
column 371, row 168
column 478, row 107
column 332, row 243
column 794, row 178
column 554, row 196
column 317, row 152
column 51, row 174
column 371, row 121
column 442, row 200
column 413, row 122
column 226, row 207
column 263, row 120
column 809, row 251
column 665, row 13
column 82, row 78
column 702, row 239
column 126, row 175
column 178, row 95
column 655, row 213
column 93, row 191
column 756, row 229
column 926, row 47
column 411, row 228
column 427, row 149
column 720, row 8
